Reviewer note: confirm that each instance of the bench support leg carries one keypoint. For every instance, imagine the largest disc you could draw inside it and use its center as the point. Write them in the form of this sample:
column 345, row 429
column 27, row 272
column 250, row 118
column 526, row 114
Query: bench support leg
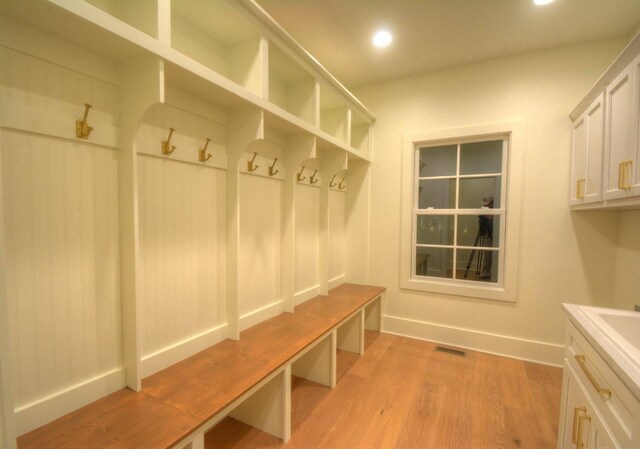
column 351, row 334
column 269, row 408
column 373, row 315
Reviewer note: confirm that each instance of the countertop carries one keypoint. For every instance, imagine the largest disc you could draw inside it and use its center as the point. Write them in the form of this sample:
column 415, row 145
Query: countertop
column 627, row 370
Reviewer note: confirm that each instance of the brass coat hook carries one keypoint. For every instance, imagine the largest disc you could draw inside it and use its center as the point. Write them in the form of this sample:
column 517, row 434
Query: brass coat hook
column 299, row 176
column 202, row 153
column 167, row 148
column 82, row 127
column 313, row 179
column 250, row 166
column 342, row 185
column 331, row 183
column 272, row 170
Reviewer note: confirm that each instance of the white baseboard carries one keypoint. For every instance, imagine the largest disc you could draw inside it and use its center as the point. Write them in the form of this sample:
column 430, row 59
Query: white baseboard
column 36, row 414
column 517, row 348
column 264, row 313
column 306, row 295
column 338, row 280
column 167, row 356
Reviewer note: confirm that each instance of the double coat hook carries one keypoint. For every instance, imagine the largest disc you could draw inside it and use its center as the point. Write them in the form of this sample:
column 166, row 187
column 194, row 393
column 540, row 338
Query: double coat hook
column 332, row 183
column 250, row 165
column 342, row 185
column 203, row 156
column 299, row 176
column 167, row 148
column 313, row 179
column 272, row 170
column 82, row 127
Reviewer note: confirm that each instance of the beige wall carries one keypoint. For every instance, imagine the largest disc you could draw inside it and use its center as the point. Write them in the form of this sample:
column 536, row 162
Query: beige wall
column 626, row 292
column 565, row 257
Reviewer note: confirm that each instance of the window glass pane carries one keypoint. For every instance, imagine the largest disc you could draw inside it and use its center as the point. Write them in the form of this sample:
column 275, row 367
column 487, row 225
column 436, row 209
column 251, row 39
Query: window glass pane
column 435, row 229
column 437, row 193
column 480, row 192
column 479, row 230
column 435, row 262
column 481, row 157
column 477, row 265
column 438, row 161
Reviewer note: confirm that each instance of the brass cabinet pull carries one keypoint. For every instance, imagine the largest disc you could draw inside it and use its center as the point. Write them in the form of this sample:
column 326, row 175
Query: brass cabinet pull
column 580, row 442
column 576, row 412
column 580, row 189
column 624, row 175
column 628, row 165
column 583, row 364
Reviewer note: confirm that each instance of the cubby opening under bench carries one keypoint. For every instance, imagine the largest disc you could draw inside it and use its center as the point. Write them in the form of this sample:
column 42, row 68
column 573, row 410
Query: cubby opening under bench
column 248, row 379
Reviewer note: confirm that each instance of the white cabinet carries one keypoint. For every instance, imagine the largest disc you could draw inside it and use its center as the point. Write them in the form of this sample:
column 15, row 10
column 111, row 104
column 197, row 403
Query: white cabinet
column 588, row 145
column 606, row 141
column 621, row 149
column 580, row 422
column 597, row 409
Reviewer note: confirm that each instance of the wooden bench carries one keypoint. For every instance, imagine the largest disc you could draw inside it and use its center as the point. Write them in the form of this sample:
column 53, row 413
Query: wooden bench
column 249, row 379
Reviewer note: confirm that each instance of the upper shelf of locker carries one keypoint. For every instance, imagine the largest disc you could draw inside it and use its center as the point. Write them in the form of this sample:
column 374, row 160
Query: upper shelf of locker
column 231, row 53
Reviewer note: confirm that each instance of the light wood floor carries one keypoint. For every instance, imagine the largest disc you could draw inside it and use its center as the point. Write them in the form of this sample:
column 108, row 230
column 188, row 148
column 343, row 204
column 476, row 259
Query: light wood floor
column 404, row 394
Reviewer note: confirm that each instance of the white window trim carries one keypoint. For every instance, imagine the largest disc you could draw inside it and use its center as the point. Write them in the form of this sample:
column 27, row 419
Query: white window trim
column 514, row 181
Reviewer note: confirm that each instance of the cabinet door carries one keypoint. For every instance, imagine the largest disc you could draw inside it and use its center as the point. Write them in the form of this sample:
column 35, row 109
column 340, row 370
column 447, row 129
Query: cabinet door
column 621, row 134
column 574, row 422
column 588, row 149
column 580, row 423
column 579, row 168
column 600, row 437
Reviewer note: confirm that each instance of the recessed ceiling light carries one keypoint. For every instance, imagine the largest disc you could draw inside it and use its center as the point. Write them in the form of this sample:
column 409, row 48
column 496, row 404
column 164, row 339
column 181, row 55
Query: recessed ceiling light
column 382, row 38
column 543, row 2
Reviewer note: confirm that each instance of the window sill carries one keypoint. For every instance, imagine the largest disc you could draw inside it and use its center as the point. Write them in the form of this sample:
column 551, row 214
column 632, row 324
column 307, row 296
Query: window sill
column 494, row 292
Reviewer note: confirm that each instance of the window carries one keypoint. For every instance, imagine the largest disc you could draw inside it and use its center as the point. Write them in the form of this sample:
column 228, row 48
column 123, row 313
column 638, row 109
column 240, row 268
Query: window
column 461, row 197
column 458, row 210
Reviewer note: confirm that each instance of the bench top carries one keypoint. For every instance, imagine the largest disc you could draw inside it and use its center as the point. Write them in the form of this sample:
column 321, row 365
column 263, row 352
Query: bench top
column 176, row 401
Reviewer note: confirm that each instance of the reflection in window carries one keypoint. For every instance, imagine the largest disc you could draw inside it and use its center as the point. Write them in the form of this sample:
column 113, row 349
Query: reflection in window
column 459, row 210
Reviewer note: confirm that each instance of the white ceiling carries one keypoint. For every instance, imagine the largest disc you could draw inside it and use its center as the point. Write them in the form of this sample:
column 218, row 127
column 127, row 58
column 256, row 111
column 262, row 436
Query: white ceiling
column 433, row 34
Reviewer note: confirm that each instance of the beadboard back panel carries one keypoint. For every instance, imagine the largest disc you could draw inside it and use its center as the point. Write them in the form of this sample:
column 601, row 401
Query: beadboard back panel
column 61, row 220
column 307, row 231
column 337, row 236
column 181, row 250
column 182, row 234
column 259, row 258
column 62, row 245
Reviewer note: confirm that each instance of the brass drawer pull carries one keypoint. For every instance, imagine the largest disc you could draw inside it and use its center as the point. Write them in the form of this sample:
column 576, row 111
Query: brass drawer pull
column 582, row 362
column 576, row 412
column 580, row 442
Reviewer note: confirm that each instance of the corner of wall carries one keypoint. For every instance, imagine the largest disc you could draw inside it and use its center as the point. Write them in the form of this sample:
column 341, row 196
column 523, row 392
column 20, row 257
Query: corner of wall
column 626, row 282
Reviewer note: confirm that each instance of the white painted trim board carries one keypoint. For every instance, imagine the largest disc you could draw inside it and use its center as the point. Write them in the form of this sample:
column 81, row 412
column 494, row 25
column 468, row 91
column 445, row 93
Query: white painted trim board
column 502, row 345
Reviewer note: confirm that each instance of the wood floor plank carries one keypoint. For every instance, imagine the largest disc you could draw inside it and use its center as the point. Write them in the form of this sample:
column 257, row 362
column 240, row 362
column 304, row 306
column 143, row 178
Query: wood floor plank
column 402, row 393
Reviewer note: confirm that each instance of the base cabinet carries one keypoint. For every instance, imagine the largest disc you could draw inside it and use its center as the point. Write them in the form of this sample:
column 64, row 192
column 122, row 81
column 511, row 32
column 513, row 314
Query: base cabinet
column 580, row 424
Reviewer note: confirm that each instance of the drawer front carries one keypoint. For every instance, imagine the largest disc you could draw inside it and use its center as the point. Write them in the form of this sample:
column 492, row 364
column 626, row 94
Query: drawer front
column 583, row 426
column 614, row 401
